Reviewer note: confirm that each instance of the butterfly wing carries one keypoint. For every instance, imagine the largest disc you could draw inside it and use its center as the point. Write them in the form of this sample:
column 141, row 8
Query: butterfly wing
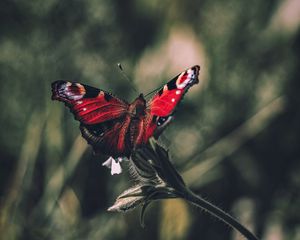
column 88, row 104
column 103, row 118
column 108, row 137
column 166, row 99
column 164, row 102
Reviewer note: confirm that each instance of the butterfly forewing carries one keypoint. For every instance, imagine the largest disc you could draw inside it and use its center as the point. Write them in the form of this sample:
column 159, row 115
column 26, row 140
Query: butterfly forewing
column 89, row 105
column 167, row 98
column 165, row 101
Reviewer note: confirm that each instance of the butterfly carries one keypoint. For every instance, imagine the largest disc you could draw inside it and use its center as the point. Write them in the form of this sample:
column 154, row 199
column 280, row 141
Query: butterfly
column 115, row 127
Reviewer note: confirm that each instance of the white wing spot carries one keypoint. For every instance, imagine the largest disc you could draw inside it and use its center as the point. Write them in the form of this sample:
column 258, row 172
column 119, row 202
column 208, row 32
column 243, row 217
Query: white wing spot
column 79, row 102
column 178, row 92
column 84, row 109
column 173, row 99
column 188, row 80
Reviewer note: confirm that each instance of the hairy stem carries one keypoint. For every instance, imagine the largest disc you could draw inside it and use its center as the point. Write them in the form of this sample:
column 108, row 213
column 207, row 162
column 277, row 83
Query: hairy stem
column 223, row 216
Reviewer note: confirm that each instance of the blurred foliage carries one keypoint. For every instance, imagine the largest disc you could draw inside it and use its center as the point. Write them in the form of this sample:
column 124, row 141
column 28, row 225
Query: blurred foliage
column 235, row 137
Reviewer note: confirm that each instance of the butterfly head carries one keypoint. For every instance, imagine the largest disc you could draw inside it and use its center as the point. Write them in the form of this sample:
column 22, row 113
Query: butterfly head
column 138, row 106
column 141, row 96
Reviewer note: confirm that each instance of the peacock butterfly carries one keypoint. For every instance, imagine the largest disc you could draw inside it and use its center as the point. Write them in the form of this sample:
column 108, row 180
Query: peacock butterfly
column 115, row 127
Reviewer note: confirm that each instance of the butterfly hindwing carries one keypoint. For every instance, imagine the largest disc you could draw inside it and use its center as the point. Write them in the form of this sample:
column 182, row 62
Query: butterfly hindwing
column 108, row 137
column 89, row 105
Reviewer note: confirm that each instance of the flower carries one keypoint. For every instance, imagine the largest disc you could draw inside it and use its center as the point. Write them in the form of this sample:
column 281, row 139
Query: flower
column 156, row 178
column 114, row 165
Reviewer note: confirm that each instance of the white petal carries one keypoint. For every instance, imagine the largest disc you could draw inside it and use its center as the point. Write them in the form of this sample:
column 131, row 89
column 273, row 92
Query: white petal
column 108, row 162
column 115, row 167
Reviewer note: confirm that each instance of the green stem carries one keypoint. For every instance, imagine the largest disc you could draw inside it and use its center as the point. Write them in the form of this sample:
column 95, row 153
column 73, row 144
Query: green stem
column 223, row 216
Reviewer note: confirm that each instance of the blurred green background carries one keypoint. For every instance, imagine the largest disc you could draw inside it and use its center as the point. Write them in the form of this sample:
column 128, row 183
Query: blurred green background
column 235, row 138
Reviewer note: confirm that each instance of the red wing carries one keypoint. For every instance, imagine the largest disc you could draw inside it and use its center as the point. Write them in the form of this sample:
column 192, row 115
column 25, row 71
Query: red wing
column 154, row 126
column 108, row 137
column 89, row 105
column 166, row 99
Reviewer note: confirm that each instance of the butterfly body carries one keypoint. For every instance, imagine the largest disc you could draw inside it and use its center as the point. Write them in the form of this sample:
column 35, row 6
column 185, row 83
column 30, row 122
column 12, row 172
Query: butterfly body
column 113, row 126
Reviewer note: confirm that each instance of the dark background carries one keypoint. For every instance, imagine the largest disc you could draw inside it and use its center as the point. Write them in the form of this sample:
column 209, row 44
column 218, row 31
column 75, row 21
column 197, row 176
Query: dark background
column 235, row 138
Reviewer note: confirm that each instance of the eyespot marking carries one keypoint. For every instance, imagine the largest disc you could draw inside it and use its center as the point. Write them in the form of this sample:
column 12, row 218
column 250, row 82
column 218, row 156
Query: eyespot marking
column 163, row 120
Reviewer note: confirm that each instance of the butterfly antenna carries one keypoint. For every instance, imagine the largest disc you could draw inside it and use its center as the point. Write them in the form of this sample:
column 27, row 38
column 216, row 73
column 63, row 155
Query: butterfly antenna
column 127, row 78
